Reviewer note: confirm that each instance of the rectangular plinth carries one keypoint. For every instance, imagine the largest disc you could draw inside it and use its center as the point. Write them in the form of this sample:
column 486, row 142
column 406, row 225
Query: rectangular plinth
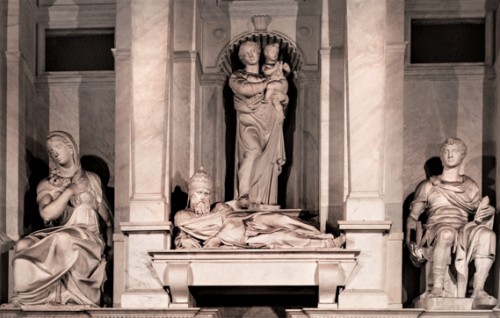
column 326, row 268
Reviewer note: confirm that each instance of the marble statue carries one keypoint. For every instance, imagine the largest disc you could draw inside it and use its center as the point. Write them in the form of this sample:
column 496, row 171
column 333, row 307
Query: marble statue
column 277, row 85
column 260, row 151
column 458, row 231
column 200, row 226
column 65, row 262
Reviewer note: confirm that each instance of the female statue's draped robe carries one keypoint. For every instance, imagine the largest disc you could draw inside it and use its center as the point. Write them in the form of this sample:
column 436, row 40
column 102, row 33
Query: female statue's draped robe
column 64, row 264
column 257, row 121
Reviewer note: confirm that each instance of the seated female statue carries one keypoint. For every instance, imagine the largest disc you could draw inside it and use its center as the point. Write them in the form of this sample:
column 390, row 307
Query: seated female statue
column 64, row 263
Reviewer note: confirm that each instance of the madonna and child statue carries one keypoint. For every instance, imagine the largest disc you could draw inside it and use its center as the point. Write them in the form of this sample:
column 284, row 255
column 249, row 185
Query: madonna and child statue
column 260, row 100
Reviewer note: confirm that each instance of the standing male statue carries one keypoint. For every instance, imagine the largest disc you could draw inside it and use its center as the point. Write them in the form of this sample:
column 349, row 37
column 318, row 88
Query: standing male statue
column 458, row 230
column 260, row 151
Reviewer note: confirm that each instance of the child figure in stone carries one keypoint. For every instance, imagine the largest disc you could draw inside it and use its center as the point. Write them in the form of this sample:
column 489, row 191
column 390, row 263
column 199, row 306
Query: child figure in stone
column 275, row 71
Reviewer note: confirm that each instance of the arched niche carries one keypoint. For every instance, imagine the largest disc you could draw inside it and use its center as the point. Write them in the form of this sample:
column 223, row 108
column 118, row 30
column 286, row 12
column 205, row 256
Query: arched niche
column 228, row 63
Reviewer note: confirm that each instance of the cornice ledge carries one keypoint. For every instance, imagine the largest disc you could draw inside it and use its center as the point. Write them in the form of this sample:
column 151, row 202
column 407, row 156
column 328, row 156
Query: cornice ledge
column 128, row 227
column 396, row 47
column 365, row 225
column 471, row 71
column 90, row 78
column 445, row 6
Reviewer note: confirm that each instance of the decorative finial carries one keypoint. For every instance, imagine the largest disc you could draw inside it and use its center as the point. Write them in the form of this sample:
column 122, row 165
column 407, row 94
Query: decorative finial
column 261, row 22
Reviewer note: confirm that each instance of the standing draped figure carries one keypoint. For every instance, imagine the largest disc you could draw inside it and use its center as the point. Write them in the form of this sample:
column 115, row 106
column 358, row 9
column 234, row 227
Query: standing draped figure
column 260, row 151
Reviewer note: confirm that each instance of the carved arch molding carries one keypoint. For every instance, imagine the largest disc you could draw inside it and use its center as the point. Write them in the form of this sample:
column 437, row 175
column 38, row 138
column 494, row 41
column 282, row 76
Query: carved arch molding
column 229, row 61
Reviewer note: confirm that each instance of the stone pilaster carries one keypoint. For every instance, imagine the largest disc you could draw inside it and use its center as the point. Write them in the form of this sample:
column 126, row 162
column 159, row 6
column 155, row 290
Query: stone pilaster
column 151, row 74
column 366, row 100
column 332, row 134
column 17, row 92
column 212, row 146
column 3, row 116
column 365, row 224
column 332, row 117
column 395, row 49
column 122, row 143
column 150, row 69
column 324, row 156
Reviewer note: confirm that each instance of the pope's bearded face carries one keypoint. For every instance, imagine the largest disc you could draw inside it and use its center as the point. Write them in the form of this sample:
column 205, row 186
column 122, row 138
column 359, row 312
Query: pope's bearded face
column 200, row 200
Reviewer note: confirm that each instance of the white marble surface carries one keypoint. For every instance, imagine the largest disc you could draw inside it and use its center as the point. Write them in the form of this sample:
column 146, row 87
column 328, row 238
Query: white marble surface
column 366, row 97
column 149, row 51
column 143, row 287
column 149, row 107
column 443, row 104
column 122, row 144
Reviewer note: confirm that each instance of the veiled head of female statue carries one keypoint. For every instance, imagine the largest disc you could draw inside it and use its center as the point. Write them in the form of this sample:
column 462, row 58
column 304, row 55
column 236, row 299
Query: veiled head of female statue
column 63, row 153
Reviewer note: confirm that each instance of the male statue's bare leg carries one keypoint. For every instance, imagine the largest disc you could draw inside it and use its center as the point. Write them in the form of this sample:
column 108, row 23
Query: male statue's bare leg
column 483, row 259
column 483, row 265
column 441, row 254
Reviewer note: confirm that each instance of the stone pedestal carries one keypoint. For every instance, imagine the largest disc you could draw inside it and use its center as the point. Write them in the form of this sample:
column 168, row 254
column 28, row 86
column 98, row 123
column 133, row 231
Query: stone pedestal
column 143, row 288
column 454, row 303
column 444, row 303
column 367, row 287
column 326, row 268
column 353, row 313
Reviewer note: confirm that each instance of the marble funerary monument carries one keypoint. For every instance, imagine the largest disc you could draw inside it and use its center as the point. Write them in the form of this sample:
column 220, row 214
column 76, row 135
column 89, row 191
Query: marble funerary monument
column 220, row 153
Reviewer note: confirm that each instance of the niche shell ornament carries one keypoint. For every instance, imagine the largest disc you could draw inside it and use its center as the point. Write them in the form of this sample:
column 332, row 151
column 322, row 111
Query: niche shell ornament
column 261, row 22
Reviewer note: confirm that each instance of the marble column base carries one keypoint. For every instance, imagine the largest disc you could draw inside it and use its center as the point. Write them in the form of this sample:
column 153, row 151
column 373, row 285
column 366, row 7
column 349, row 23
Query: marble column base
column 142, row 288
column 367, row 206
column 363, row 298
column 145, row 299
column 367, row 286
